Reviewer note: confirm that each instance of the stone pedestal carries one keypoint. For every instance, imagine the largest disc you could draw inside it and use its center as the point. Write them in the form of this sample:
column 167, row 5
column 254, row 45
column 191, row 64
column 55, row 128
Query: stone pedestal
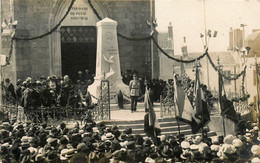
column 107, row 60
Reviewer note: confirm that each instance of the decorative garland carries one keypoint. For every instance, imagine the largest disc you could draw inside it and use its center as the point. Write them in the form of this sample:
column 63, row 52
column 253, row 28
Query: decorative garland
column 176, row 59
column 120, row 35
column 94, row 10
column 53, row 29
column 224, row 76
column 244, row 97
column 8, row 59
column 128, row 38
column 243, row 84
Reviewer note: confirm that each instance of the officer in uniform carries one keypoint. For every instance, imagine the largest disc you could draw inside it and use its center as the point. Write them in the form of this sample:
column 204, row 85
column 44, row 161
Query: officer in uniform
column 134, row 87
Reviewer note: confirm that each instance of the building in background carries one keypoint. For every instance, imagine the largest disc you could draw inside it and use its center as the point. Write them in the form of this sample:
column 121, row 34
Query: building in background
column 232, row 64
column 166, row 42
column 72, row 47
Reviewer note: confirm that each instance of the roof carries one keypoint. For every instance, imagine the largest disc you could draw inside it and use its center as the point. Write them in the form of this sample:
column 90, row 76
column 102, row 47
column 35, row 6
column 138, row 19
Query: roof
column 224, row 57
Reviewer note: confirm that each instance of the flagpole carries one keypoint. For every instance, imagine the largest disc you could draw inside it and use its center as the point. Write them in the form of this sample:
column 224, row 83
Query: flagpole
column 220, row 83
column 175, row 110
column 197, row 65
column 178, row 122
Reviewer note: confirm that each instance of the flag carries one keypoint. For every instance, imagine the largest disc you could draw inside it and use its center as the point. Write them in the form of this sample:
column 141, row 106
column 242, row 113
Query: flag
column 226, row 106
column 182, row 103
column 153, row 123
column 200, row 116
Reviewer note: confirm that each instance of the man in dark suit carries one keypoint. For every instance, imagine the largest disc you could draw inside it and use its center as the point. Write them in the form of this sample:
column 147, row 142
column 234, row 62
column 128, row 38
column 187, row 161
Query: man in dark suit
column 27, row 100
column 10, row 92
column 19, row 91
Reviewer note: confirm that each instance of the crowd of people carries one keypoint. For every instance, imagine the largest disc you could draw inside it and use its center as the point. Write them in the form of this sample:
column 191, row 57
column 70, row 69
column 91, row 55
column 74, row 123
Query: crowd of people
column 32, row 94
column 47, row 91
column 62, row 91
column 157, row 87
column 95, row 142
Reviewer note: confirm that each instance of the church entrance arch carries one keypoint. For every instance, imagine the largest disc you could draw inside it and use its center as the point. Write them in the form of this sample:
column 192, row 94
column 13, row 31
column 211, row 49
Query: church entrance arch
column 73, row 46
column 78, row 50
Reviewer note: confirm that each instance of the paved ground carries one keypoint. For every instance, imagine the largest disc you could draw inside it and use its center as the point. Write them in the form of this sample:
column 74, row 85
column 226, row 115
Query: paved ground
column 125, row 114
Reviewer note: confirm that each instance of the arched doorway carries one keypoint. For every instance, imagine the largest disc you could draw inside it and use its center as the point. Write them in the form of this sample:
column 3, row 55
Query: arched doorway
column 78, row 49
column 55, row 42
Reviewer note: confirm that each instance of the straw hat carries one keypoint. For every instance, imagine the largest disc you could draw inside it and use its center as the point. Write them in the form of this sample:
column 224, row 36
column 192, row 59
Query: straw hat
column 255, row 149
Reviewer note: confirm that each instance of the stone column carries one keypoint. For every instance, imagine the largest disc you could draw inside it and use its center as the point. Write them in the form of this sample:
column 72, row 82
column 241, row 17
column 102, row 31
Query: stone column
column 107, row 60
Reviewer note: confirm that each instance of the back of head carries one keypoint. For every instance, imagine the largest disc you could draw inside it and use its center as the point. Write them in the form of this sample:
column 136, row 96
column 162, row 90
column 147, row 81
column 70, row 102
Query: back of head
column 79, row 158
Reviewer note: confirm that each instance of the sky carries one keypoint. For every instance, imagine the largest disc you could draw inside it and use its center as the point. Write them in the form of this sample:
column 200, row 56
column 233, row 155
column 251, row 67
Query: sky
column 187, row 19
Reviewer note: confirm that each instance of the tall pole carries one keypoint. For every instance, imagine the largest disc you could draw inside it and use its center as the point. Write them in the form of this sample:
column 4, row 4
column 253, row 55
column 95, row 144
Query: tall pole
column 198, row 95
column 206, row 41
column 257, row 90
column 235, row 81
column 176, row 101
column 220, row 84
column 152, row 28
column 244, row 57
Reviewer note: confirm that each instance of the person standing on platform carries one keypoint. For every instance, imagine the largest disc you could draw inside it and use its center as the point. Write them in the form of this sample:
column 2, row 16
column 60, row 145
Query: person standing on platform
column 10, row 92
column 134, row 87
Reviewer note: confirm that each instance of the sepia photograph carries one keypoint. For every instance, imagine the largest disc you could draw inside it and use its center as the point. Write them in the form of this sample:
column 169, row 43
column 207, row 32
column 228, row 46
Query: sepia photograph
column 129, row 81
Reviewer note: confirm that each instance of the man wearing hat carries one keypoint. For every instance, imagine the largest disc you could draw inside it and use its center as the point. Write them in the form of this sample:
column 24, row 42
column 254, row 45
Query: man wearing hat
column 10, row 92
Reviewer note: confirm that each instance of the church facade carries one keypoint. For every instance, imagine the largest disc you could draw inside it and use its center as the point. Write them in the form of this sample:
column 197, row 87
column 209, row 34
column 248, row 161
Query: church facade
column 59, row 37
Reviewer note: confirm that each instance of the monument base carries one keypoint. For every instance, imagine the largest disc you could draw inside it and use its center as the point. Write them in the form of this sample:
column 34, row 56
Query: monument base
column 114, row 86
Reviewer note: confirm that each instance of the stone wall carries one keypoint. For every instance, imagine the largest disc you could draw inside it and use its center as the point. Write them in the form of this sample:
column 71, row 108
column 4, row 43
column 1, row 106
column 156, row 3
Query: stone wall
column 132, row 19
column 33, row 58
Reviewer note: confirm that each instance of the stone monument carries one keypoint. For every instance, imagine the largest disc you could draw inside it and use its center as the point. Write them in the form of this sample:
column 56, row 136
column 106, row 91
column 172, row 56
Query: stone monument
column 107, row 60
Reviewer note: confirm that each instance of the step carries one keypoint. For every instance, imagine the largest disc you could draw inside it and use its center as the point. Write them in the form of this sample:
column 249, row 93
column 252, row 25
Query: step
column 167, row 119
column 123, row 122
column 161, row 121
column 167, row 125
column 172, row 123
column 141, row 126
column 164, row 129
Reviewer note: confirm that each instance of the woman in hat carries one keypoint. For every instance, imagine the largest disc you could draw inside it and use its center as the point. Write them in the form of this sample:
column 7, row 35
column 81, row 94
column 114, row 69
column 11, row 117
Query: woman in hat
column 134, row 87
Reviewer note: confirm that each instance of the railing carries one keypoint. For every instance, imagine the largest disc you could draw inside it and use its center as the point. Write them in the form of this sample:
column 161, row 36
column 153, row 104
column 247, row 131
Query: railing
column 102, row 111
column 241, row 106
column 167, row 107
column 43, row 114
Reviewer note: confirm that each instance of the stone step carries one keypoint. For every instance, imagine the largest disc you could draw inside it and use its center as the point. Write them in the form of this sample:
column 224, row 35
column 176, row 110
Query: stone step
column 167, row 125
column 124, row 122
column 141, row 127
column 186, row 133
column 163, row 121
